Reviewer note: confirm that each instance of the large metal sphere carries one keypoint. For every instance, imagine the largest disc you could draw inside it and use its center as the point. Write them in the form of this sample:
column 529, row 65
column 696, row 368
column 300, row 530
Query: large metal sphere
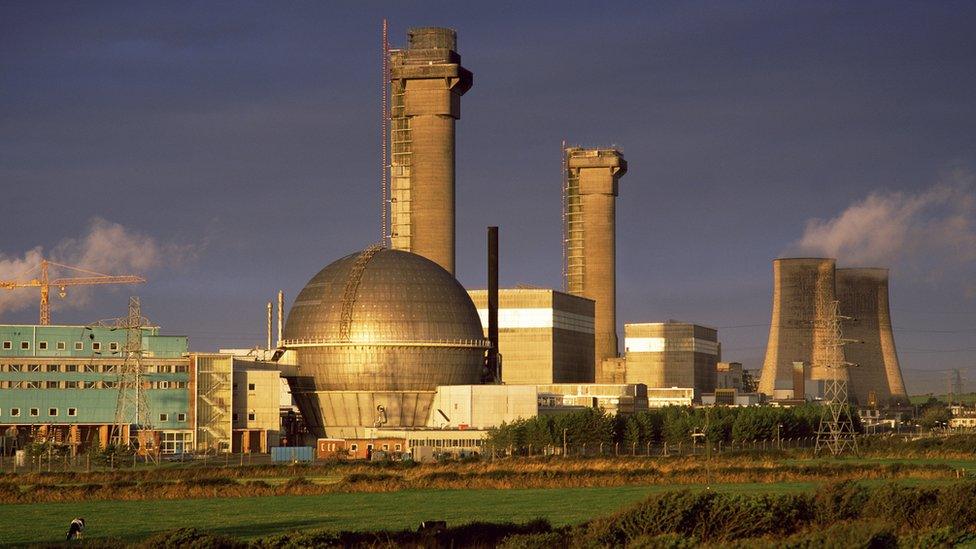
column 382, row 321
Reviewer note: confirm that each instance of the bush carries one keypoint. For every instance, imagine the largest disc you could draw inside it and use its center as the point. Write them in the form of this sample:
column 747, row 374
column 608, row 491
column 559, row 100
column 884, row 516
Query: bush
column 193, row 539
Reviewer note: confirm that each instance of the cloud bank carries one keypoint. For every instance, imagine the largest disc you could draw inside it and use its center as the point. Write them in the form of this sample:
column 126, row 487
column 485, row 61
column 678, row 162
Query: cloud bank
column 106, row 247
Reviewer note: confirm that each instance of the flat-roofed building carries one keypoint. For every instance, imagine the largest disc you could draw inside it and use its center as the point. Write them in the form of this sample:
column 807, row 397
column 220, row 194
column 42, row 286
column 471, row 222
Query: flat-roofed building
column 256, row 410
column 672, row 354
column 613, row 398
column 60, row 384
column 544, row 336
column 729, row 375
column 659, row 397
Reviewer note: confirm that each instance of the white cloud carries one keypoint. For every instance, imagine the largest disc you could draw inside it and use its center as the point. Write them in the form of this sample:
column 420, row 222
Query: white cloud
column 925, row 232
column 106, row 247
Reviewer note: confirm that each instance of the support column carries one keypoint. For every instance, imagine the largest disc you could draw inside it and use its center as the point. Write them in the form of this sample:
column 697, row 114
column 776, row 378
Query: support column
column 429, row 77
column 597, row 172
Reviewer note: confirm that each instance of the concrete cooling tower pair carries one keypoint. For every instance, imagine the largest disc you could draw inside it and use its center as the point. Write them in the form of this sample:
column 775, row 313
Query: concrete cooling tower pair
column 798, row 285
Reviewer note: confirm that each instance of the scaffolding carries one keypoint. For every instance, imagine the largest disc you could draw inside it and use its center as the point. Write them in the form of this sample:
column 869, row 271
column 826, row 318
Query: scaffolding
column 400, row 161
column 836, row 432
column 574, row 260
column 214, row 393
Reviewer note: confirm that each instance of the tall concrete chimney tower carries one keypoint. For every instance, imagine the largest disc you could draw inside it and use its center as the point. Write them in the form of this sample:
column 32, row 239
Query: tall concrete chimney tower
column 863, row 296
column 589, row 194
column 798, row 286
column 426, row 85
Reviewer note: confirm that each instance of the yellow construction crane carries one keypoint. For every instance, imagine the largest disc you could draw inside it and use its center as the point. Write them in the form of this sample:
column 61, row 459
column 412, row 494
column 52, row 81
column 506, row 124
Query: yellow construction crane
column 44, row 283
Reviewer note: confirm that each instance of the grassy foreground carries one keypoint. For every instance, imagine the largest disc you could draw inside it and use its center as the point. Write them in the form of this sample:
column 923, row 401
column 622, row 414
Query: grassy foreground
column 252, row 517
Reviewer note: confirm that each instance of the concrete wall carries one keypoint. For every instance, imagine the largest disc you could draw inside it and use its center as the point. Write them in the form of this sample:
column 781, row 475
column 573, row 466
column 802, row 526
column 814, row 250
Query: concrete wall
column 863, row 296
column 431, row 79
column 482, row 406
column 256, row 401
column 597, row 172
column 798, row 284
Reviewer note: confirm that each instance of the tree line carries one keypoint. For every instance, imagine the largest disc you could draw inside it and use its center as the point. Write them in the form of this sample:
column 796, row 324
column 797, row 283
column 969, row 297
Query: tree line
column 671, row 424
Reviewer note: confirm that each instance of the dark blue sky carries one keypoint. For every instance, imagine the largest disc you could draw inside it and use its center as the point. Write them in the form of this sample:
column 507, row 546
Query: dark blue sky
column 243, row 139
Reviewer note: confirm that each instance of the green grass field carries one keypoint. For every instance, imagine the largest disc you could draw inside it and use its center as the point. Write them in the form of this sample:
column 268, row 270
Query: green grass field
column 256, row 517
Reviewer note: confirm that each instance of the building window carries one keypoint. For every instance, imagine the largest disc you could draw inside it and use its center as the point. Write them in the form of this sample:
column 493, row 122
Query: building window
column 353, row 447
column 15, row 412
column 70, row 384
column 72, row 412
column 109, row 368
column 96, row 346
column 14, row 367
column 25, row 345
column 53, row 368
column 33, row 367
column 8, row 345
column 42, row 345
column 52, row 384
column 396, row 447
column 250, row 416
column 181, row 368
column 163, row 417
column 386, row 447
column 34, row 412
column 110, row 384
column 52, row 412
column 181, row 418
column 62, row 346
column 180, row 384
column 79, row 345
column 91, row 368
column 113, row 346
column 234, row 416
column 250, row 386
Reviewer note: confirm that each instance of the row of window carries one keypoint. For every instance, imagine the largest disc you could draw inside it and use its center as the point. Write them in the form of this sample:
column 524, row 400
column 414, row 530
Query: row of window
column 73, row 412
column 61, row 345
column 448, row 443
column 250, row 416
column 92, row 368
column 28, row 384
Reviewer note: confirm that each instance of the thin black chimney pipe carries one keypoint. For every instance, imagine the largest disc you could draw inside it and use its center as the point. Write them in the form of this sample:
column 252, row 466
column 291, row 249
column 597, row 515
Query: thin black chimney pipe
column 494, row 365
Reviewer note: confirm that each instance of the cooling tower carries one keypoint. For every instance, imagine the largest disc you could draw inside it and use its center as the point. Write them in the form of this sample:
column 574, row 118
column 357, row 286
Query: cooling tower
column 863, row 296
column 798, row 285
column 426, row 85
column 590, row 237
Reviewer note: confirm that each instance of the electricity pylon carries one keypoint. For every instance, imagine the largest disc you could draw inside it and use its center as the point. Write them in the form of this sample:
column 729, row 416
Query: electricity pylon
column 132, row 406
column 836, row 432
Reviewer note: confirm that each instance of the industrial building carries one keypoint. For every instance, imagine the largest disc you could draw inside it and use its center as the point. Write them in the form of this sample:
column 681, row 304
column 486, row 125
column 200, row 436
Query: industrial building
column 728, row 375
column 803, row 291
column 375, row 334
column 61, row 383
column 589, row 238
column 544, row 336
column 672, row 354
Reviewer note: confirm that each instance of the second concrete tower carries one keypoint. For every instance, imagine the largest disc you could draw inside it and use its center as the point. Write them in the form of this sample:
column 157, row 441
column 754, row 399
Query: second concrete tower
column 426, row 85
column 590, row 237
